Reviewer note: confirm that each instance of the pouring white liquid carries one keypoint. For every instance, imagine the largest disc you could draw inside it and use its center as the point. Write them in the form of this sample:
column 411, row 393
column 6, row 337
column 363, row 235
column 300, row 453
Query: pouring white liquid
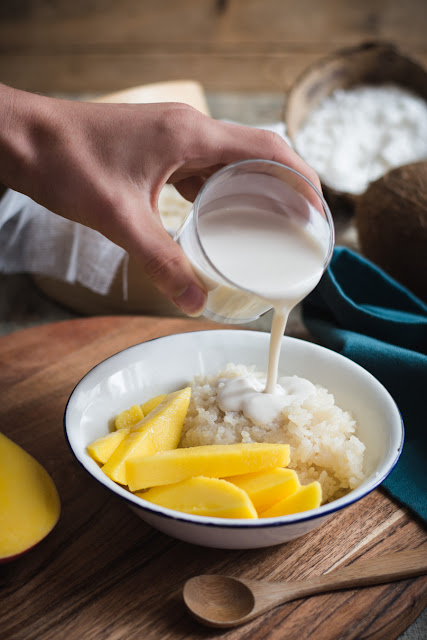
column 273, row 258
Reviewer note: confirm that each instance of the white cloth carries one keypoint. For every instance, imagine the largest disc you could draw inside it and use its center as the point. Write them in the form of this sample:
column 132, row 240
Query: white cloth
column 35, row 240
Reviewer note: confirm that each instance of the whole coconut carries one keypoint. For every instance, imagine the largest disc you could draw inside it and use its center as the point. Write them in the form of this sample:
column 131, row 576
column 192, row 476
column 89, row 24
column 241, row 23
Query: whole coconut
column 391, row 220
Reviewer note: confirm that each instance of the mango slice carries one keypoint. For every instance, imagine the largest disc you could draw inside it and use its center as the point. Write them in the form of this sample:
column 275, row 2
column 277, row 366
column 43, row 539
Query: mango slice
column 203, row 497
column 129, row 417
column 103, row 448
column 306, row 497
column 265, row 488
column 29, row 501
column 158, row 431
column 216, row 461
column 151, row 404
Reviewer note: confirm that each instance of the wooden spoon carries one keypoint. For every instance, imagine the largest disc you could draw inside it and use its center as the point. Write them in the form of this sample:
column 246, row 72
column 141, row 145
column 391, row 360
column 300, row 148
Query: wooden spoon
column 222, row 601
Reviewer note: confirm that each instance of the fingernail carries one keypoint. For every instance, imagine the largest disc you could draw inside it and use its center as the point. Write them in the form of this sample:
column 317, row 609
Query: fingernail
column 191, row 301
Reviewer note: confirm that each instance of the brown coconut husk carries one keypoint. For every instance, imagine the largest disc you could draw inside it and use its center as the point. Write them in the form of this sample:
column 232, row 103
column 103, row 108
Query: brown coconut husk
column 391, row 220
column 372, row 63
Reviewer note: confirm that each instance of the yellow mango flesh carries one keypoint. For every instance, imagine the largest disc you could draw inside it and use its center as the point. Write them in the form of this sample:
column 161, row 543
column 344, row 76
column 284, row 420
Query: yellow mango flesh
column 29, row 501
column 216, row 461
column 203, row 497
column 307, row 497
column 160, row 430
column 151, row 404
column 265, row 488
column 129, row 417
column 103, row 448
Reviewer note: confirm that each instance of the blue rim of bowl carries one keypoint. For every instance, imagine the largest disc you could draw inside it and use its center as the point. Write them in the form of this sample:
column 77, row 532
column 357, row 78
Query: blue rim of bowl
column 225, row 523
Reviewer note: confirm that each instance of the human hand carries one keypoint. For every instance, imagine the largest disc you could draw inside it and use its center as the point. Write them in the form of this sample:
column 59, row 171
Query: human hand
column 103, row 165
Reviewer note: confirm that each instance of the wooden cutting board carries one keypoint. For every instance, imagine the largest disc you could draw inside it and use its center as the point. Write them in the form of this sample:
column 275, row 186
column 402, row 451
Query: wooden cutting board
column 104, row 574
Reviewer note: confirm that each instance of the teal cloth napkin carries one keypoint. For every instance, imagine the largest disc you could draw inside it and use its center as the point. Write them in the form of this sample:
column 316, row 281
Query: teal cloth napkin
column 365, row 315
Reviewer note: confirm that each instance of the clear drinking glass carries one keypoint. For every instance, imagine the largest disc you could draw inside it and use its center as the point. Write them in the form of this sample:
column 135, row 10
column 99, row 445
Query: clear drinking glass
column 260, row 184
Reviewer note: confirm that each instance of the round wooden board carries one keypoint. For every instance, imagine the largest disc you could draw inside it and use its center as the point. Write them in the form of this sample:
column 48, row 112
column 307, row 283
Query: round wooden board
column 103, row 573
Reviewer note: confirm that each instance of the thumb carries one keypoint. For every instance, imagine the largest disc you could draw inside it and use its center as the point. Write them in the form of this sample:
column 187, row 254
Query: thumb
column 165, row 264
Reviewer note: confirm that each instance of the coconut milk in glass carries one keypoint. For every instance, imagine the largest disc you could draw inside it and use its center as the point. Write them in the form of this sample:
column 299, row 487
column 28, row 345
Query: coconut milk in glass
column 260, row 236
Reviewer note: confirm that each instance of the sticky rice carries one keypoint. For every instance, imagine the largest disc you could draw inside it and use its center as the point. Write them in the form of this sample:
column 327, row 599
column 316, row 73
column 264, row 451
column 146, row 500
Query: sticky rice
column 322, row 437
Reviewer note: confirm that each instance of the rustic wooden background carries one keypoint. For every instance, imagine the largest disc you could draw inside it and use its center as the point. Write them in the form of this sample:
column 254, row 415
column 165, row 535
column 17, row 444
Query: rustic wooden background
column 228, row 45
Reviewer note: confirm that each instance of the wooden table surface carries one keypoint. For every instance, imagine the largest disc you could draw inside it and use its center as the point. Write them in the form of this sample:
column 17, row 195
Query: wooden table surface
column 104, row 573
column 228, row 45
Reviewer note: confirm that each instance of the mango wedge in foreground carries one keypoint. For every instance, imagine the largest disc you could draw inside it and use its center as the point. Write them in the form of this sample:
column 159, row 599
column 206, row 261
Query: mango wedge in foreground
column 265, row 488
column 306, row 497
column 103, row 448
column 215, row 461
column 129, row 417
column 29, row 501
column 160, row 430
column 151, row 404
column 203, row 497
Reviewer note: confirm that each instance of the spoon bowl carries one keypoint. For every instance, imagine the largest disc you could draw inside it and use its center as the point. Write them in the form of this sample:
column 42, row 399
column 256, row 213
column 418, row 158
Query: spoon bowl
column 218, row 598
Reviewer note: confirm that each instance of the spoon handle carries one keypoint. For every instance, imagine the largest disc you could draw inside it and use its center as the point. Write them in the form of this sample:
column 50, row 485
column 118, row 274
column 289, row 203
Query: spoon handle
column 361, row 573
column 383, row 569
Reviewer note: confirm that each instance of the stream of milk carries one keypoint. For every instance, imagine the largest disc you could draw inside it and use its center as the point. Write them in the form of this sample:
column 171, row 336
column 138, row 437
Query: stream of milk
column 274, row 258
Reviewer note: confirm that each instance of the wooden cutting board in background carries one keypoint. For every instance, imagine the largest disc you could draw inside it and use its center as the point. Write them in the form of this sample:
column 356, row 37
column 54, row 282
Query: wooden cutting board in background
column 104, row 573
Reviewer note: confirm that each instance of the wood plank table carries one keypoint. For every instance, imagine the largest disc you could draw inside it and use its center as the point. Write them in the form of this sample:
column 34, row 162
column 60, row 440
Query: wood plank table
column 227, row 45
column 104, row 573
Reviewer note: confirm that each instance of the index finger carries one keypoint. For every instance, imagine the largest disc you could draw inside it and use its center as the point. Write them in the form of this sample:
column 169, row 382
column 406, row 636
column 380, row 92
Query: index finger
column 234, row 142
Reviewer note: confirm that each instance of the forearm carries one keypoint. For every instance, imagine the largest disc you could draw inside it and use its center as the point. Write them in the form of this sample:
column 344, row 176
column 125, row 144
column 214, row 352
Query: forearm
column 46, row 152
column 21, row 123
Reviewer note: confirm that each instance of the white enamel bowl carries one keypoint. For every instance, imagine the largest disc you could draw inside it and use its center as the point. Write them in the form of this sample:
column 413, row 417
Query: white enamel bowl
column 167, row 364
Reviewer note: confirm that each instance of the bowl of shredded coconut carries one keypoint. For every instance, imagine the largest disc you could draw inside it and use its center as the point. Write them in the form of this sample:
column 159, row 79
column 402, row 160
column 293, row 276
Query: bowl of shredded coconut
column 358, row 114
column 342, row 427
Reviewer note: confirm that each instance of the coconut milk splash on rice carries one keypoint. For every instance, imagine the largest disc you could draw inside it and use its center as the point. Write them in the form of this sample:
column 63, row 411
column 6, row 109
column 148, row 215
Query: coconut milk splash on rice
column 321, row 436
